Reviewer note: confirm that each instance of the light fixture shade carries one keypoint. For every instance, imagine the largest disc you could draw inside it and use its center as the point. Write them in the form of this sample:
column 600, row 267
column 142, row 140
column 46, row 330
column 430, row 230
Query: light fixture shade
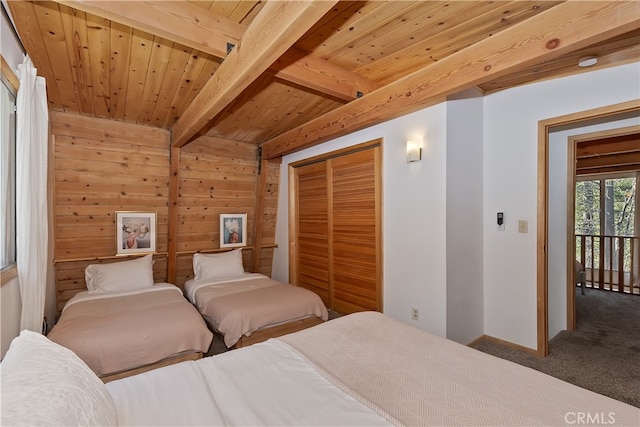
column 588, row 61
column 414, row 151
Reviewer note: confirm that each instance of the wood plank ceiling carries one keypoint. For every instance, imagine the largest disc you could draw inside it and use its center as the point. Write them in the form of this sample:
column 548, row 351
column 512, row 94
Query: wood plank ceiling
column 612, row 154
column 287, row 75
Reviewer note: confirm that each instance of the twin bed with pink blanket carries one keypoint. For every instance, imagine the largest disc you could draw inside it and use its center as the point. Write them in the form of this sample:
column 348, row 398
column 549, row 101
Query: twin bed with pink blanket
column 125, row 323
column 251, row 307
column 361, row 369
column 118, row 332
column 247, row 308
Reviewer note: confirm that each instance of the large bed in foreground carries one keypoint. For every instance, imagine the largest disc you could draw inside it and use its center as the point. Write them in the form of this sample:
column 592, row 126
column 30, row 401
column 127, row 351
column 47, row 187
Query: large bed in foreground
column 361, row 369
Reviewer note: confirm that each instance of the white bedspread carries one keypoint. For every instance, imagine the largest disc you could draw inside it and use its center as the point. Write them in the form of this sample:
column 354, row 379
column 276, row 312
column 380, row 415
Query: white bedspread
column 361, row 369
column 263, row 384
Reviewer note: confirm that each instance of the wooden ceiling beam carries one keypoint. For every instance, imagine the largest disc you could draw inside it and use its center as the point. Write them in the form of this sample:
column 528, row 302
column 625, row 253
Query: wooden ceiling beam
column 608, row 169
column 275, row 29
column 180, row 22
column 564, row 28
column 624, row 159
column 611, row 145
column 312, row 72
column 201, row 29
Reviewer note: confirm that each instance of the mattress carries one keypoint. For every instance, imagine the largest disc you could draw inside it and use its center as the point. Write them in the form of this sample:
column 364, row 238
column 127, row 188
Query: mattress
column 115, row 332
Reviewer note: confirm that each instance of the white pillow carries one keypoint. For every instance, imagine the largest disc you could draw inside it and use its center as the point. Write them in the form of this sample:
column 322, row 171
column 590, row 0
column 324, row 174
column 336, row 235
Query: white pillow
column 44, row 383
column 120, row 276
column 215, row 266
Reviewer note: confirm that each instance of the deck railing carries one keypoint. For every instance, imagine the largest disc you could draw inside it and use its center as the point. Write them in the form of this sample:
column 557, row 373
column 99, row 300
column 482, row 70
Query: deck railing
column 611, row 263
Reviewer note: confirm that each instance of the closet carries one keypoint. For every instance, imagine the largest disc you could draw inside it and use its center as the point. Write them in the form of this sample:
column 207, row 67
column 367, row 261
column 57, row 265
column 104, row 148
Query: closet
column 335, row 227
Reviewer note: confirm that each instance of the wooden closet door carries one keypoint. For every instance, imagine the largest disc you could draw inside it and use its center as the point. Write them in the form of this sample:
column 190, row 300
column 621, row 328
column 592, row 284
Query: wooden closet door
column 312, row 230
column 355, row 235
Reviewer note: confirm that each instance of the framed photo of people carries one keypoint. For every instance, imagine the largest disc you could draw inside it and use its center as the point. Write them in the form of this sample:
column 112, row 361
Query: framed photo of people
column 233, row 230
column 135, row 232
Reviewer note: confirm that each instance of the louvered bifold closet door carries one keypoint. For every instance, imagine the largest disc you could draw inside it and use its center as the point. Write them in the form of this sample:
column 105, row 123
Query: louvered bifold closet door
column 355, row 235
column 313, row 230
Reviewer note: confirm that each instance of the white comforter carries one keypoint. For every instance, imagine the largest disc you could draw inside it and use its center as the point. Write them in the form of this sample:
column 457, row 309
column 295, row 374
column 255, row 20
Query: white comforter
column 264, row 384
column 361, row 369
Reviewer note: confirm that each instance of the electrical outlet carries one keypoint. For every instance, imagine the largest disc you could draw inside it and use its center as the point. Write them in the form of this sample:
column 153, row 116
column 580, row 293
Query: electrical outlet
column 415, row 314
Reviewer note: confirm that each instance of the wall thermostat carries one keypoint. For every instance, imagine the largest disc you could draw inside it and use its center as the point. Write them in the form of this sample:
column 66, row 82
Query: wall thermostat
column 500, row 221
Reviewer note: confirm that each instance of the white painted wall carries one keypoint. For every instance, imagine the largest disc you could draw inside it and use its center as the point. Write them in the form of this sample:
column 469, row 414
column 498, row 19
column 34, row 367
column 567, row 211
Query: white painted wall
column 414, row 215
column 10, row 309
column 427, row 195
column 464, row 217
column 557, row 209
column 510, row 185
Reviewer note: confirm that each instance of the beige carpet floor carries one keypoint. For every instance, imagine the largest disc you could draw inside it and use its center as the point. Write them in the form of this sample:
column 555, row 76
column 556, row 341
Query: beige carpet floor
column 602, row 354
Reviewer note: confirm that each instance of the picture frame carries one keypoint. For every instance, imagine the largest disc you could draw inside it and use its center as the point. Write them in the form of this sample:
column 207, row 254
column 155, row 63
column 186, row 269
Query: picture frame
column 135, row 232
column 233, row 230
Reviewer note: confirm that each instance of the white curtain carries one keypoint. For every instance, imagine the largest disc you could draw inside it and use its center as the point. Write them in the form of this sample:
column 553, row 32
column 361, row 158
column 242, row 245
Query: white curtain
column 32, row 228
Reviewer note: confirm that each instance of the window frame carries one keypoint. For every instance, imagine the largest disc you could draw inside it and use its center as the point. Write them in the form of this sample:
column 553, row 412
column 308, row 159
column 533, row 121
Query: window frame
column 8, row 78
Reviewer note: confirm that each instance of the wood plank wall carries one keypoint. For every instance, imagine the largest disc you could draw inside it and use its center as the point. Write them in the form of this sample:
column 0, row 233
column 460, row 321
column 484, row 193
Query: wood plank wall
column 103, row 166
column 100, row 167
column 219, row 176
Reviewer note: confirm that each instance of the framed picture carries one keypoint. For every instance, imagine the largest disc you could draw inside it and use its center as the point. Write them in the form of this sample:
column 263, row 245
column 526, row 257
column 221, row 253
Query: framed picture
column 233, row 230
column 135, row 232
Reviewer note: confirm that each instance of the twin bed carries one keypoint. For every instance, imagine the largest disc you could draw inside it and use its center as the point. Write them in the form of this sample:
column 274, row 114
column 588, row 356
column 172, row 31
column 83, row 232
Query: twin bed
column 126, row 324
column 245, row 308
column 361, row 369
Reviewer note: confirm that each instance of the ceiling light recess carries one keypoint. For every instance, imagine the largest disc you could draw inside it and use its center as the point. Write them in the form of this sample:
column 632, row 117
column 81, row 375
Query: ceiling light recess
column 588, row 61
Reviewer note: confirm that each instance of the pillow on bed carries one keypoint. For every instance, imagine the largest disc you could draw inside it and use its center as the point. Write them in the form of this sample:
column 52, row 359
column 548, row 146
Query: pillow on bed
column 214, row 266
column 44, row 383
column 120, row 276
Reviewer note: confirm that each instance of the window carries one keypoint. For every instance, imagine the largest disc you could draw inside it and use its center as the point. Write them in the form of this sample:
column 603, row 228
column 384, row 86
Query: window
column 606, row 221
column 8, row 173
column 607, row 205
column 588, row 207
column 619, row 206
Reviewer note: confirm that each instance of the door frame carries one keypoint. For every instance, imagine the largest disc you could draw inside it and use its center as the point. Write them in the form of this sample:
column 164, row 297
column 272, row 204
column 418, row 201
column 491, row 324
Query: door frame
column 542, row 265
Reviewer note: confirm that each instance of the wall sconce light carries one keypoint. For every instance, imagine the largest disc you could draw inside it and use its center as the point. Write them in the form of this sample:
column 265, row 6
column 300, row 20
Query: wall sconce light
column 414, row 151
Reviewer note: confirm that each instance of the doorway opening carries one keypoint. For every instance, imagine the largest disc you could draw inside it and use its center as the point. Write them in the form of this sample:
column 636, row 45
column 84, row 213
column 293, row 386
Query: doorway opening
column 602, row 213
column 542, row 264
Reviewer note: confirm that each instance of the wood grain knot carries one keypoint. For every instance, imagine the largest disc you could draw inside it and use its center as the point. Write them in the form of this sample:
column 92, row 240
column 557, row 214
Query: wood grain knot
column 487, row 67
column 553, row 43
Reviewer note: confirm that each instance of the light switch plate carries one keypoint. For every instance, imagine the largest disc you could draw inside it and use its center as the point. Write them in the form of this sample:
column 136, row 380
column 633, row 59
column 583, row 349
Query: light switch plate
column 523, row 226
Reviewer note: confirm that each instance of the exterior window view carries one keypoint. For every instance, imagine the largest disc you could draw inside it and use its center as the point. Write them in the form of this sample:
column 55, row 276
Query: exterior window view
column 606, row 221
